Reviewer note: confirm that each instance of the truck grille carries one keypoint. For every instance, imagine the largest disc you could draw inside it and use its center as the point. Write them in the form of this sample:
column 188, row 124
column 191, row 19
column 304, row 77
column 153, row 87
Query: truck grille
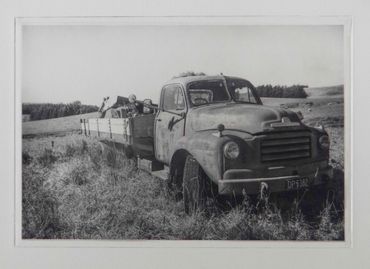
column 285, row 146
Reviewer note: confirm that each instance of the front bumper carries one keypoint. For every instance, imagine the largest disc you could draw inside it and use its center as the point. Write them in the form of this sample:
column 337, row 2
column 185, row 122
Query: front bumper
column 252, row 186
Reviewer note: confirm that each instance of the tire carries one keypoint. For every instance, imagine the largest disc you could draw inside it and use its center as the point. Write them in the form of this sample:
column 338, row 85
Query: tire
column 174, row 185
column 194, row 187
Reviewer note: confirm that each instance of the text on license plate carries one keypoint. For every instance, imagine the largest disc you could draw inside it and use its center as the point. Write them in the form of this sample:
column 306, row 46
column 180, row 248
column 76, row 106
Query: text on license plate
column 297, row 183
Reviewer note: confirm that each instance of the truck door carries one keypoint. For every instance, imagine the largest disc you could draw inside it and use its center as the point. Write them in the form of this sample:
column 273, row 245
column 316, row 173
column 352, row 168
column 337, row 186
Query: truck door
column 169, row 123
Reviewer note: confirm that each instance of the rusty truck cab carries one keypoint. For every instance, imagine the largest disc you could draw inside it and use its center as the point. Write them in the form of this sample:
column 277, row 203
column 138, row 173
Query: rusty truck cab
column 239, row 143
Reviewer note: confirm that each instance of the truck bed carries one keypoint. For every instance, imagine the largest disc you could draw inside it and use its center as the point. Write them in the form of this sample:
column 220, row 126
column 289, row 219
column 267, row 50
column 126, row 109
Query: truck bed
column 137, row 132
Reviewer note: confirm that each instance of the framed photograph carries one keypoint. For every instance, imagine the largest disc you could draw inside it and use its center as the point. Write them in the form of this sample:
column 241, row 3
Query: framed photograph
column 184, row 135
column 165, row 130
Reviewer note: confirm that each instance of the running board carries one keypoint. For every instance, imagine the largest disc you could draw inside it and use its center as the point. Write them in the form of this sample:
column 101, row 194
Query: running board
column 161, row 174
column 149, row 165
column 154, row 168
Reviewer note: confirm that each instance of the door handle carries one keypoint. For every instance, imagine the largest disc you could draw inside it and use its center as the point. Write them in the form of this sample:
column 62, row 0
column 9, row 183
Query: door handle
column 158, row 119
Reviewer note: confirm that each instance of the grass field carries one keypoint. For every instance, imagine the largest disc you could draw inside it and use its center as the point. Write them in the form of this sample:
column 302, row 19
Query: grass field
column 75, row 190
column 54, row 126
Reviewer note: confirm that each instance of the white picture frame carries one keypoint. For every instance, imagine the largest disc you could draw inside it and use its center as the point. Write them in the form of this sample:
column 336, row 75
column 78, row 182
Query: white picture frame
column 19, row 253
column 174, row 21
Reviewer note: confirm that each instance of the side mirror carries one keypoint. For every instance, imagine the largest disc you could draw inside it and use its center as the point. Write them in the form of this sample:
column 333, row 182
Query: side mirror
column 183, row 115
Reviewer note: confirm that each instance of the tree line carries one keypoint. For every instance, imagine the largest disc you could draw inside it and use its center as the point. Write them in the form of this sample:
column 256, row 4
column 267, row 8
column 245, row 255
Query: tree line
column 267, row 90
column 294, row 91
column 49, row 111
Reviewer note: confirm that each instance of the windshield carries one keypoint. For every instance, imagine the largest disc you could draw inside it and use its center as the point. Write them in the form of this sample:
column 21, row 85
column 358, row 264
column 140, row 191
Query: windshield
column 242, row 91
column 207, row 92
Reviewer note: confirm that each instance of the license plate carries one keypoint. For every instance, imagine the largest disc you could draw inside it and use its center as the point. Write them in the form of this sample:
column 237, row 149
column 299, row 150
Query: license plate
column 297, row 183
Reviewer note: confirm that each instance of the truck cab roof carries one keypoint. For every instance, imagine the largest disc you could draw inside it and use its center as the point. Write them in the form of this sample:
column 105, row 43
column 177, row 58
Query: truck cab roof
column 189, row 79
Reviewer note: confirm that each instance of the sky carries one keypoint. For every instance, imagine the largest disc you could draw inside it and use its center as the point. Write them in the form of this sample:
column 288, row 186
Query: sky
column 87, row 63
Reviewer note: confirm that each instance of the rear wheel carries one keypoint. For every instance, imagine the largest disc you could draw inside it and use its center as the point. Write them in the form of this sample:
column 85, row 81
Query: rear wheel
column 195, row 184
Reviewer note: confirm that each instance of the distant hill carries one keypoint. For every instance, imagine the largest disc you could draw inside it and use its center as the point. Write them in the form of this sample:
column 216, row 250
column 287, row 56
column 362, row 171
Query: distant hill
column 328, row 91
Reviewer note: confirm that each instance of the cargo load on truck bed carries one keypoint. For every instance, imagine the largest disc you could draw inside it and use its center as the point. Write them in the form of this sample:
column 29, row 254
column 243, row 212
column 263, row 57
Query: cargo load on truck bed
column 114, row 125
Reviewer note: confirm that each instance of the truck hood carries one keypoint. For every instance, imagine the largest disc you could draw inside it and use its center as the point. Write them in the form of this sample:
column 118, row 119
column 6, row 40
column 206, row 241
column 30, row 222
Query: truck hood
column 250, row 118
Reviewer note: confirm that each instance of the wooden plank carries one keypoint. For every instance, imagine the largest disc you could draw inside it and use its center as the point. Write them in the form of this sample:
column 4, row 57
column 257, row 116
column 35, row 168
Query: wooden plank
column 136, row 131
column 120, row 126
column 161, row 174
column 117, row 127
column 103, row 125
column 93, row 125
column 150, row 165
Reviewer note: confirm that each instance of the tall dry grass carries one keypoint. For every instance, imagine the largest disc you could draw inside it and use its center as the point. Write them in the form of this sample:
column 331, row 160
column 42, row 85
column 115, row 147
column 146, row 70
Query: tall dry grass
column 75, row 190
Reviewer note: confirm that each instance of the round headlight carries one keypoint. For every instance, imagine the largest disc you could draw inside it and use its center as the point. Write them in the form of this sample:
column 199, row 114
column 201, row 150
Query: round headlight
column 324, row 142
column 231, row 150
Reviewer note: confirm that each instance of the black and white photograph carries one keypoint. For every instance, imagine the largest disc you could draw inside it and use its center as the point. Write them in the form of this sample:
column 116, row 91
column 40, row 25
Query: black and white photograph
column 183, row 132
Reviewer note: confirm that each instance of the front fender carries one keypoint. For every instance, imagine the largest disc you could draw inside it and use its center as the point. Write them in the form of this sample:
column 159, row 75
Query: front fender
column 206, row 148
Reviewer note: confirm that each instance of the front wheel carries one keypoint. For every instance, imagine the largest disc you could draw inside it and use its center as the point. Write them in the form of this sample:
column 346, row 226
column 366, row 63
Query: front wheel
column 194, row 186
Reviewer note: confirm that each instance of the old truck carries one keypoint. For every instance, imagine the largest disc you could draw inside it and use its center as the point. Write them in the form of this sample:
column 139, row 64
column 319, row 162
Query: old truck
column 211, row 135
